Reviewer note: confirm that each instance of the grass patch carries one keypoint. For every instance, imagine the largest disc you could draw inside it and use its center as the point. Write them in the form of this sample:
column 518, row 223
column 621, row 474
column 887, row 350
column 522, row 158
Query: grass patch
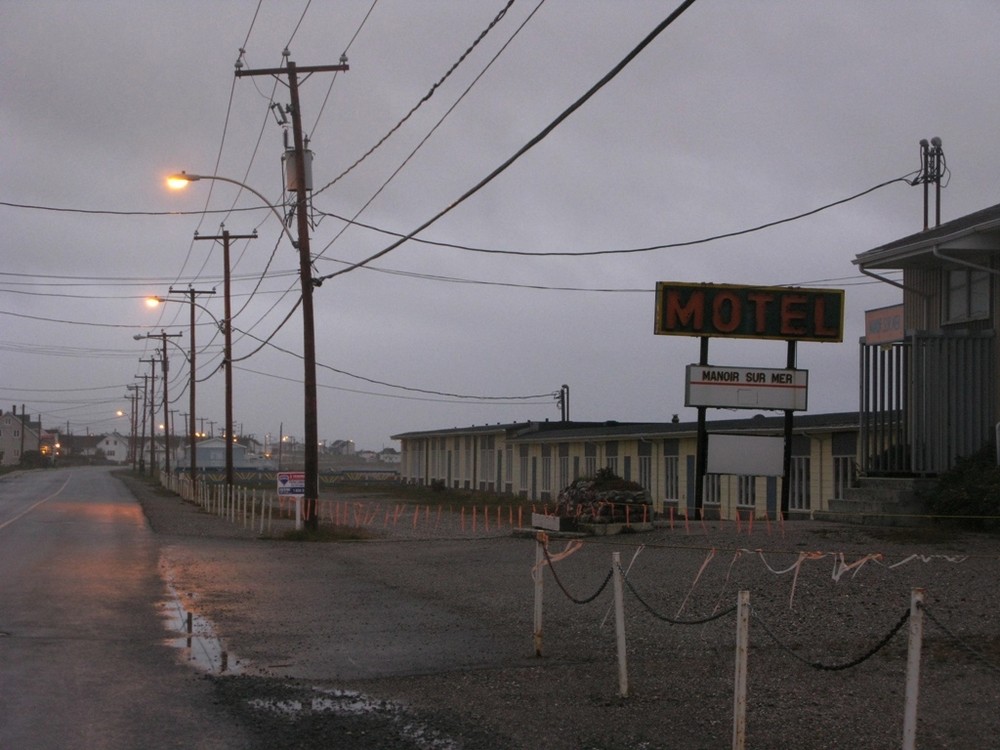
column 327, row 534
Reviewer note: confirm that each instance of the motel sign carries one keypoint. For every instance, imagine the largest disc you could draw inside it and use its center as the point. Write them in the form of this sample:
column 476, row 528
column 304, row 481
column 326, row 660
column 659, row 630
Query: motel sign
column 732, row 311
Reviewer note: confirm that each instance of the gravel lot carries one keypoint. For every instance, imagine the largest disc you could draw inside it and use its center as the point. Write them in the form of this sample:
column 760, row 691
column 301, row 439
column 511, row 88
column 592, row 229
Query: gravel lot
column 423, row 637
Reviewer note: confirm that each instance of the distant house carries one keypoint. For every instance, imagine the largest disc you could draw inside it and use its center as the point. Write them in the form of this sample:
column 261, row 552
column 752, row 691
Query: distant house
column 81, row 446
column 114, row 447
column 931, row 392
column 17, row 437
column 389, row 456
column 211, row 455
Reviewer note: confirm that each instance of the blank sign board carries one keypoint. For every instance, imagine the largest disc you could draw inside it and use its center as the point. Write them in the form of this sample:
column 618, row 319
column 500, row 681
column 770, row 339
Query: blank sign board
column 750, row 455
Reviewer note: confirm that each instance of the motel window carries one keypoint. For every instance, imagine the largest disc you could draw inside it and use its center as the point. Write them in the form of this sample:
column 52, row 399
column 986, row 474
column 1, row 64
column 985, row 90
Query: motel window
column 590, row 460
column 611, row 455
column 487, row 460
column 967, row 295
column 546, row 471
column 508, row 465
column 712, row 491
column 844, row 462
column 746, row 490
column 563, row 466
column 646, row 464
column 799, row 498
column 671, row 477
column 844, row 468
column 523, row 464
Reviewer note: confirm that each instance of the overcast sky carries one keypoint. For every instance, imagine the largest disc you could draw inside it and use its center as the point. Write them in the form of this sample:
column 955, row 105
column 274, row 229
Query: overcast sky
column 739, row 114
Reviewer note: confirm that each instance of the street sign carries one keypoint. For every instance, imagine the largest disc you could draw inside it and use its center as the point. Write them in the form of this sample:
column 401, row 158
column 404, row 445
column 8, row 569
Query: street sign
column 746, row 388
column 291, row 483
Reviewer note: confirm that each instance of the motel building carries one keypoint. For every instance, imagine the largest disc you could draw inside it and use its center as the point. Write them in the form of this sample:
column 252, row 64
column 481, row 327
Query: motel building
column 533, row 461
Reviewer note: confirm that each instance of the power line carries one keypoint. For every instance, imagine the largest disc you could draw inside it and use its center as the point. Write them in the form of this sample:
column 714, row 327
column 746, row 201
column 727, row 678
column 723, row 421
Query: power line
column 426, row 97
column 404, row 387
column 399, row 396
column 529, row 145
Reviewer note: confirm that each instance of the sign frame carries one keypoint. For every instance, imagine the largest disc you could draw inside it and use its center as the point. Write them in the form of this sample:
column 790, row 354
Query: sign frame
column 746, row 388
column 736, row 311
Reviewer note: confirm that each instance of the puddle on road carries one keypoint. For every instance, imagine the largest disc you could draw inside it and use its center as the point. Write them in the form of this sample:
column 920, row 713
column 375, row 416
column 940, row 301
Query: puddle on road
column 195, row 639
column 352, row 703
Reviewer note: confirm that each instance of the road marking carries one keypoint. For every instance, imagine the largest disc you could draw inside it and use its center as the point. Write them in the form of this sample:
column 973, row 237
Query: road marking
column 24, row 512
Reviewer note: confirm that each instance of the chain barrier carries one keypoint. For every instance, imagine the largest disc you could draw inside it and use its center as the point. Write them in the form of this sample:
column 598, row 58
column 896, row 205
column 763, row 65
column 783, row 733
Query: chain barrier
column 834, row 667
column 665, row 618
column 589, row 599
column 977, row 654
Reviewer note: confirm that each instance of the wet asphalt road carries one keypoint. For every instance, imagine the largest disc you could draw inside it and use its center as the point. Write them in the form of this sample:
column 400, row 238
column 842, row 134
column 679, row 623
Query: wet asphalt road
column 83, row 660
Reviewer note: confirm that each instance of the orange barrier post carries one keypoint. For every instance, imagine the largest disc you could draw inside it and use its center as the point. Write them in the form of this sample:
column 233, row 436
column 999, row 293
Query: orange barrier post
column 463, row 518
column 671, row 518
column 473, row 519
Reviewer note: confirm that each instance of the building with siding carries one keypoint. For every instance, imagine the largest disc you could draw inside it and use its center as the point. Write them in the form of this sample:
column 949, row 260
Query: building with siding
column 534, row 461
column 931, row 395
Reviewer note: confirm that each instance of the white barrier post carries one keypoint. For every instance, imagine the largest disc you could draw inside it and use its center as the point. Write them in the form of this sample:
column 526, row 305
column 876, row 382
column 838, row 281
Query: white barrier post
column 913, row 669
column 539, row 559
column 740, row 685
column 616, row 564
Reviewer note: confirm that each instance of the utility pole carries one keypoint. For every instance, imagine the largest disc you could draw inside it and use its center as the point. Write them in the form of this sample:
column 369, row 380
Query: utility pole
column 163, row 335
column 227, row 356
column 192, row 431
column 151, row 401
column 132, row 395
column 311, row 427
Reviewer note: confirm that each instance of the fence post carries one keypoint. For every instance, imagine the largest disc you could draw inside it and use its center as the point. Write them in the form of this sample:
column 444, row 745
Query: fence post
column 539, row 560
column 616, row 564
column 740, row 684
column 913, row 669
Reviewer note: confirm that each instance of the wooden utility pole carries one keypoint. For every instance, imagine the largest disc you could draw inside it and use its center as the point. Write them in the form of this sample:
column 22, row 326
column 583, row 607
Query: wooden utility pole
column 164, row 359
column 151, row 402
column 227, row 329
column 192, row 430
column 311, row 458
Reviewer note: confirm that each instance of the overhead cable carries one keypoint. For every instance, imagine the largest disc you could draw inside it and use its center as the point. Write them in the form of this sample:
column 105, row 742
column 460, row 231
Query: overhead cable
column 528, row 146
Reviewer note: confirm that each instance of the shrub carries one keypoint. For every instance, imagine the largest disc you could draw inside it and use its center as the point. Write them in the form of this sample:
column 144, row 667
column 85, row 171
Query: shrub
column 971, row 490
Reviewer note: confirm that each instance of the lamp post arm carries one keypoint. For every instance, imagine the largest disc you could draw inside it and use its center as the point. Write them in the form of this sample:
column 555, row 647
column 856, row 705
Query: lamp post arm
column 183, row 176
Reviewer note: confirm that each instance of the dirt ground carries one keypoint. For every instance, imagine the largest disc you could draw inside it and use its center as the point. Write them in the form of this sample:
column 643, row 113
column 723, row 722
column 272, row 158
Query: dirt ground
column 426, row 641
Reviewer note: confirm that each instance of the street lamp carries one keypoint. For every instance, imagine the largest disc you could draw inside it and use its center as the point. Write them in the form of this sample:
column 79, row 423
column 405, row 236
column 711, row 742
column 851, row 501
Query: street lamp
column 310, row 426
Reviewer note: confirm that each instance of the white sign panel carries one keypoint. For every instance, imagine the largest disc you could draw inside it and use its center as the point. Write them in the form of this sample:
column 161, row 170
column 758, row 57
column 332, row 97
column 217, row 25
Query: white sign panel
column 746, row 388
column 749, row 455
